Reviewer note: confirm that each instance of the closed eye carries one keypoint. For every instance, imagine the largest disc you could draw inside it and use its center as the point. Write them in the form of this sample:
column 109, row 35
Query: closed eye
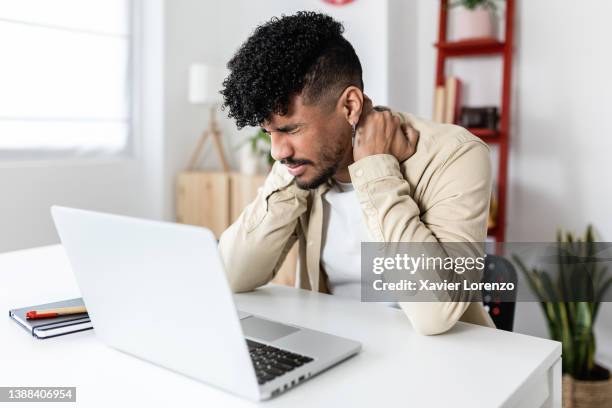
column 290, row 129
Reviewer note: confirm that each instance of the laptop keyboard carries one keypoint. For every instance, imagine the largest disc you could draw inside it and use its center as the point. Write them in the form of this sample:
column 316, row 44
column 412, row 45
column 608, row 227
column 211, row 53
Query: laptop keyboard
column 271, row 362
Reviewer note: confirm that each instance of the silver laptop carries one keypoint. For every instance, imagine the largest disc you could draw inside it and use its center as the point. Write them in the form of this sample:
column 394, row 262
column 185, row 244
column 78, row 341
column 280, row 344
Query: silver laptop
column 158, row 291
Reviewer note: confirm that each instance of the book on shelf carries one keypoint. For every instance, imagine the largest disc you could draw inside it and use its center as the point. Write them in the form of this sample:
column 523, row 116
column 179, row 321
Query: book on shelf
column 493, row 206
column 452, row 99
column 439, row 104
column 447, row 101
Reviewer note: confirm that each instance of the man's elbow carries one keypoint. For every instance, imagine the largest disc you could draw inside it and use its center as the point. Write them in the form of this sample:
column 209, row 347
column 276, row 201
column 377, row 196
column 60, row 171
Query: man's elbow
column 242, row 279
column 238, row 286
column 429, row 319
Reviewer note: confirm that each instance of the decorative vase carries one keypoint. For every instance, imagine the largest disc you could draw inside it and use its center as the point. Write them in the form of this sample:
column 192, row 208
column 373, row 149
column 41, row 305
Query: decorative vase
column 470, row 24
column 249, row 161
column 586, row 394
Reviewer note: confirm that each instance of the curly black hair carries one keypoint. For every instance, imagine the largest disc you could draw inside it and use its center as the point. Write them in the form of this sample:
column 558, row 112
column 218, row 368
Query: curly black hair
column 304, row 53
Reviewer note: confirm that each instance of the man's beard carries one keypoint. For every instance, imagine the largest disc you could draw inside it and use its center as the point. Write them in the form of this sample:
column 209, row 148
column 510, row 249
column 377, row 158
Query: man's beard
column 319, row 179
column 330, row 160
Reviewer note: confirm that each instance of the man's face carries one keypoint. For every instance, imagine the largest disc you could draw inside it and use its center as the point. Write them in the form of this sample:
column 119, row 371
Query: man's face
column 313, row 141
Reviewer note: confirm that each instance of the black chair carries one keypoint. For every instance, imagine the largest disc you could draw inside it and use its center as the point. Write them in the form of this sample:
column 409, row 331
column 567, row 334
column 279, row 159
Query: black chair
column 499, row 269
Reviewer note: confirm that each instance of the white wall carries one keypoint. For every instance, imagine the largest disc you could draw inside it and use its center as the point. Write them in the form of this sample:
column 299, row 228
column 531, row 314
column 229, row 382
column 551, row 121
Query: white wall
column 28, row 190
column 561, row 137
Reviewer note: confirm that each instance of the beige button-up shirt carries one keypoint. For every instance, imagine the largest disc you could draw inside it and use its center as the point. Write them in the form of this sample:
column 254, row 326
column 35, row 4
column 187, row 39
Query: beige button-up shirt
column 440, row 194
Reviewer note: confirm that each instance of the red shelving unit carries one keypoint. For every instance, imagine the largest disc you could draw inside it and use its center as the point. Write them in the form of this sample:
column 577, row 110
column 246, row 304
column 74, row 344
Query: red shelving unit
column 500, row 137
column 478, row 46
column 488, row 135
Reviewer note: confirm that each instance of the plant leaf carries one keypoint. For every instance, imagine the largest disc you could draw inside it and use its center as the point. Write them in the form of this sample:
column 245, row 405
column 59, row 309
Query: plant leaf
column 599, row 296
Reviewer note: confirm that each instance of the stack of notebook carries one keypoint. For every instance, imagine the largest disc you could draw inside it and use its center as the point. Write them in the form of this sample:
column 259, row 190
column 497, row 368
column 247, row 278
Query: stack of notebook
column 53, row 326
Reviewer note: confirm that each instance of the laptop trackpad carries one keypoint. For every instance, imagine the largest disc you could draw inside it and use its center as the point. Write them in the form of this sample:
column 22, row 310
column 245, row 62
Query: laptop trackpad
column 265, row 329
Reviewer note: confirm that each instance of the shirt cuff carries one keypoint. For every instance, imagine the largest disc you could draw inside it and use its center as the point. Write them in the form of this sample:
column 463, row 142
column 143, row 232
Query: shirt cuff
column 374, row 167
column 280, row 179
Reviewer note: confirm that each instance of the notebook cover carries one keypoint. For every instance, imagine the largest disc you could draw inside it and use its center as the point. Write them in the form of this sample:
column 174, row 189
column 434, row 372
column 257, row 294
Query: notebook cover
column 19, row 315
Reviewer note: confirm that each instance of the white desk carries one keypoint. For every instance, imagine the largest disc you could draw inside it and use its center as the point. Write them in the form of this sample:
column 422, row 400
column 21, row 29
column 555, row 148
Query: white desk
column 470, row 366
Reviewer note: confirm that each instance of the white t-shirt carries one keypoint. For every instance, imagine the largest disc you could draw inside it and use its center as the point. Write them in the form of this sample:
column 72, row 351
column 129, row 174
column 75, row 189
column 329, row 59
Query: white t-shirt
column 343, row 232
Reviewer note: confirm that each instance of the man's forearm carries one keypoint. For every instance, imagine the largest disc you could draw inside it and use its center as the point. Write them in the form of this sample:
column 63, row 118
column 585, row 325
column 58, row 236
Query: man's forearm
column 254, row 247
column 459, row 215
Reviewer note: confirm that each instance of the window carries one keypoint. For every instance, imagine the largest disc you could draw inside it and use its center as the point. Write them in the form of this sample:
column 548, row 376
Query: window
column 64, row 78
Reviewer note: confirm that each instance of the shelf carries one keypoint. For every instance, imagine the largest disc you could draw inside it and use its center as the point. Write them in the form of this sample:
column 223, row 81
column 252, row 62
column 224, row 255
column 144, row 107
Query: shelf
column 488, row 135
column 446, row 51
column 475, row 47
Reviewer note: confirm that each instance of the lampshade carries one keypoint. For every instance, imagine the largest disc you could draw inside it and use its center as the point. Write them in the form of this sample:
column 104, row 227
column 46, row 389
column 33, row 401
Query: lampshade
column 205, row 82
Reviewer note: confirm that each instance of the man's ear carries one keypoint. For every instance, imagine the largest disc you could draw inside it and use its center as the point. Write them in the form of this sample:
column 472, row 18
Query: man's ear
column 351, row 103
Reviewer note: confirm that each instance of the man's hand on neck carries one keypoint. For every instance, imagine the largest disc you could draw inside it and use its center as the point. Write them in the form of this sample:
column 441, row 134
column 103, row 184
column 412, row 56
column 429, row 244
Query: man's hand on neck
column 381, row 132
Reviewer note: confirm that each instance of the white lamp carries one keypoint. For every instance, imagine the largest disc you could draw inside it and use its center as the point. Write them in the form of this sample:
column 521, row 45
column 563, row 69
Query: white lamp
column 205, row 82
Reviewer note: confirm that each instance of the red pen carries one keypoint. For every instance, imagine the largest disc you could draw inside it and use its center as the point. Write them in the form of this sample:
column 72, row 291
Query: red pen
column 60, row 311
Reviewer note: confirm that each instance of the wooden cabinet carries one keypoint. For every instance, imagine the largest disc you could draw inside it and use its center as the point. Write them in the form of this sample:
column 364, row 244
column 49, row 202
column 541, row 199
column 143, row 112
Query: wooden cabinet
column 216, row 199
column 203, row 198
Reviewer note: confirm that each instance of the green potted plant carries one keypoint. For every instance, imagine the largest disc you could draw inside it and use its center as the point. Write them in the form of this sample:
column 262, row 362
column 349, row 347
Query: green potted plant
column 261, row 144
column 255, row 149
column 474, row 18
column 570, row 301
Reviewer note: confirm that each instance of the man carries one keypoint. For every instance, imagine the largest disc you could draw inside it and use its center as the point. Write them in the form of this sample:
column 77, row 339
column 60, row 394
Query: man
column 345, row 172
